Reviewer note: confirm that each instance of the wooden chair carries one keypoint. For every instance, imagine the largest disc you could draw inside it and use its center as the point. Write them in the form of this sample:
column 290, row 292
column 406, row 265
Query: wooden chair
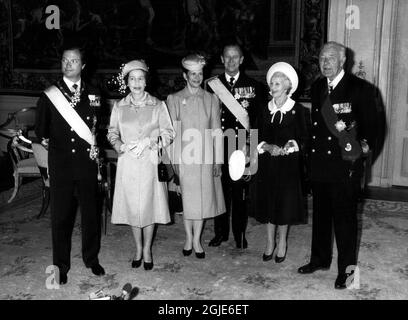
column 41, row 156
column 24, row 165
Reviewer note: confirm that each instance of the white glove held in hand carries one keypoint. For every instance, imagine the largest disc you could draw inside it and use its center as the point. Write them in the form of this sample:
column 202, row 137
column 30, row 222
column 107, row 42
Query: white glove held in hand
column 141, row 145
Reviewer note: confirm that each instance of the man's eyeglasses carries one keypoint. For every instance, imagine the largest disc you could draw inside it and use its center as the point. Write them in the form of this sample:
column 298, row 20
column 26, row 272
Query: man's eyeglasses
column 72, row 61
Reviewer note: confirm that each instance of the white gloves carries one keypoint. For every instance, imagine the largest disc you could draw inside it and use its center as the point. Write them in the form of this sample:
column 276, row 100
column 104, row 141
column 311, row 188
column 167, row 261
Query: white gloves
column 135, row 147
column 290, row 147
column 140, row 147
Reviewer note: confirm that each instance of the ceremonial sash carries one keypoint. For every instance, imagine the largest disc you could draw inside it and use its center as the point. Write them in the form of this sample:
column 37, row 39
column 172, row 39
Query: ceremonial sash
column 230, row 102
column 69, row 114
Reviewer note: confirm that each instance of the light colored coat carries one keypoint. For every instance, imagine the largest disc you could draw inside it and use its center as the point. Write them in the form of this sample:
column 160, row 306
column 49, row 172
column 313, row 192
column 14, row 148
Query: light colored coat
column 196, row 116
column 139, row 199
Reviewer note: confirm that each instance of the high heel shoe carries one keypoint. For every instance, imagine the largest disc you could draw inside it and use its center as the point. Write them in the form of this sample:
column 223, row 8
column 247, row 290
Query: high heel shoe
column 267, row 257
column 200, row 255
column 281, row 259
column 148, row 265
column 186, row 253
column 136, row 263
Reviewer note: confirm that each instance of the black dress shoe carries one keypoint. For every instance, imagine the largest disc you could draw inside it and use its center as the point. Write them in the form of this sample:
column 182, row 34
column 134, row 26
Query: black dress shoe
column 216, row 241
column 312, row 267
column 281, row 259
column 148, row 265
column 200, row 255
column 186, row 253
column 136, row 263
column 267, row 257
column 63, row 278
column 98, row 270
column 341, row 280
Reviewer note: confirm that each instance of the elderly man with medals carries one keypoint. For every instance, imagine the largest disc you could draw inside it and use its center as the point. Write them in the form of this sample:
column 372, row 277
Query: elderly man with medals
column 66, row 122
column 240, row 96
column 343, row 130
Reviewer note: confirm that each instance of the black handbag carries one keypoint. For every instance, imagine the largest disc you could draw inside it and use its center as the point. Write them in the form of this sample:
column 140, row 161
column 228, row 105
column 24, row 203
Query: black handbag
column 165, row 171
column 175, row 202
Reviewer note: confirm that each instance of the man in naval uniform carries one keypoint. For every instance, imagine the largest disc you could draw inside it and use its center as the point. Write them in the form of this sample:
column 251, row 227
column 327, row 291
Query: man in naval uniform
column 73, row 174
column 343, row 130
column 247, row 92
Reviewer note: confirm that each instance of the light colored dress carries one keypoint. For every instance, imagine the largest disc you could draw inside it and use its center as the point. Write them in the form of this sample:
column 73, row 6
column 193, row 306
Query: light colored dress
column 139, row 199
column 202, row 193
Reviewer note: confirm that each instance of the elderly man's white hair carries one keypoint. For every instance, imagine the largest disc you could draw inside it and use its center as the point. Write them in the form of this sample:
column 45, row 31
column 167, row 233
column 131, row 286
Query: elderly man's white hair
column 336, row 46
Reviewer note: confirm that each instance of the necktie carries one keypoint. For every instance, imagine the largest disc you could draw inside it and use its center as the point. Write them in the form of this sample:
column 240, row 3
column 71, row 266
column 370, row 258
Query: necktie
column 231, row 82
column 75, row 87
column 330, row 87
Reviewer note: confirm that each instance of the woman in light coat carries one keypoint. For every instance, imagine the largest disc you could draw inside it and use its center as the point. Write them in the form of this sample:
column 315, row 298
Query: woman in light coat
column 197, row 152
column 136, row 122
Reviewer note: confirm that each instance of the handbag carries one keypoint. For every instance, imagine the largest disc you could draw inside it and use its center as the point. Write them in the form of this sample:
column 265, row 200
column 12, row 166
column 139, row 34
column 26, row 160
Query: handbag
column 175, row 202
column 165, row 171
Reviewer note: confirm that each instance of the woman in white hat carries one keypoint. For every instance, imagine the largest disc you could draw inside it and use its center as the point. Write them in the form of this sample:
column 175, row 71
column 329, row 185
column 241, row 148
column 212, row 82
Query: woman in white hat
column 283, row 132
column 196, row 117
column 136, row 122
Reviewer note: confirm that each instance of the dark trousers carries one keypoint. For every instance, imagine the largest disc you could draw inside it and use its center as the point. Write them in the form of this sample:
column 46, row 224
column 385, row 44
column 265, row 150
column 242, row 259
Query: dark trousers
column 63, row 211
column 235, row 193
column 335, row 204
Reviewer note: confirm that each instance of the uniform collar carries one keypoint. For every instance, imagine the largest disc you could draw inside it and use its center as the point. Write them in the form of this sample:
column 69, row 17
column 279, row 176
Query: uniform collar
column 228, row 77
column 336, row 80
column 70, row 83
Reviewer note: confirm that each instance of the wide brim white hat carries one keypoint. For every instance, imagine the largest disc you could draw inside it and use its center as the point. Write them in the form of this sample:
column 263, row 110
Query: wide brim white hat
column 236, row 165
column 134, row 65
column 286, row 69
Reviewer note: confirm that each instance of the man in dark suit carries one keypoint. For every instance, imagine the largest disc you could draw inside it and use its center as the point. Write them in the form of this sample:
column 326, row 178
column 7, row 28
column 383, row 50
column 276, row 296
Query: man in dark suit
column 73, row 174
column 247, row 92
column 343, row 130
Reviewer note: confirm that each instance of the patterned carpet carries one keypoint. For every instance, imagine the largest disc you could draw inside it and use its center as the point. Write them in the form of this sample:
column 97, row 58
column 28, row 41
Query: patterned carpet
column 225, row 273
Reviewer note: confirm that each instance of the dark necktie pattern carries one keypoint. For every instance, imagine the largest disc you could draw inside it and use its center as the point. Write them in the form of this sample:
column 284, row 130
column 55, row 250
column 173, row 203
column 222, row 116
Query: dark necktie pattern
column 330, row 87
column 76, row 96
column 231, row 83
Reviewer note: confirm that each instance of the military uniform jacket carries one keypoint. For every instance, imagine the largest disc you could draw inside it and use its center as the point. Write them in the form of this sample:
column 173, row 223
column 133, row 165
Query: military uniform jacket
column 68, row 154
column 354, row 102
column 245, row 88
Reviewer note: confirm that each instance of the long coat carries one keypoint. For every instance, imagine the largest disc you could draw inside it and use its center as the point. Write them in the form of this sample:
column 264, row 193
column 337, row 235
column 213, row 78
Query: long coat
column 139, row 198
column 201, row 192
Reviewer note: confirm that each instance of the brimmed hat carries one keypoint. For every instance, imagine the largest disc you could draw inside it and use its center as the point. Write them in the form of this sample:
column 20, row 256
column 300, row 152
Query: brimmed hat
column 193, row 62
column 119, row 80
column 287, row 70
column 236, row 165
column 134, row 65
